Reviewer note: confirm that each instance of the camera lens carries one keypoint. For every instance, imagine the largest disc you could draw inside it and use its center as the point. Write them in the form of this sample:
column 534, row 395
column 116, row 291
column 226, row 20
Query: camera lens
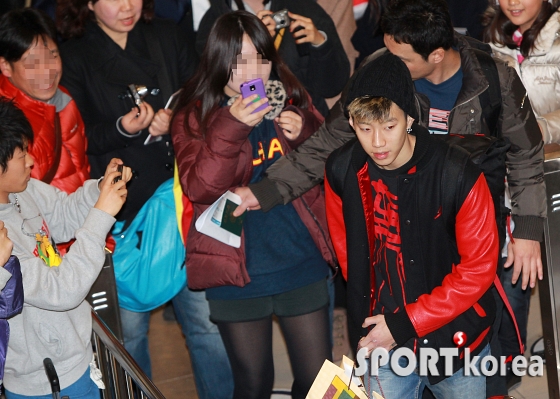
column 282, row 22
column 252, row 87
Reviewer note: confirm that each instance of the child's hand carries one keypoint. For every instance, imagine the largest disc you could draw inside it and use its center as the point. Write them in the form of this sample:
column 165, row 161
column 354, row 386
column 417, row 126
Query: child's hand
column 242, row 107
column 291, row 124
column 113, row 195
column 137, row 120
column 5, row 245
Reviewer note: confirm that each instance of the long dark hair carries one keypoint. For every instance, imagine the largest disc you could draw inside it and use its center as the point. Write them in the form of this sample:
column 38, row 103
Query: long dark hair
column 72, row 16
column 499, row 29
column 202, row 94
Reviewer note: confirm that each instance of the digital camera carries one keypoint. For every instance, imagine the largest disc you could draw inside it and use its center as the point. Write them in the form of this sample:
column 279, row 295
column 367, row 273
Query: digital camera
column 281, row 18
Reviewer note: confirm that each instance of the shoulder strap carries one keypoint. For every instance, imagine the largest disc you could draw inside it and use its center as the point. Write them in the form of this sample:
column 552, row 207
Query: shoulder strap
column 337, row 168
column 503, row 295
column 154, row 48
column 452, row 177
column 278, row 39
column 455, row 160
column 490, row 99
column 49, row 176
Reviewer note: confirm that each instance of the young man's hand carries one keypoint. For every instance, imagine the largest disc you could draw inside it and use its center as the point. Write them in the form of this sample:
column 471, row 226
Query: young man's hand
column 525, row 256
column 113, row 195
column 242, row 107
column 248, row 201
column 379, row 336
column 6, row 245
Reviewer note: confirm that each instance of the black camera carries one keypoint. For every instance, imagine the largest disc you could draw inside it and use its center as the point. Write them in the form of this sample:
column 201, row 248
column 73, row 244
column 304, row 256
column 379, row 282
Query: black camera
column 281, row 18
column 119, row 177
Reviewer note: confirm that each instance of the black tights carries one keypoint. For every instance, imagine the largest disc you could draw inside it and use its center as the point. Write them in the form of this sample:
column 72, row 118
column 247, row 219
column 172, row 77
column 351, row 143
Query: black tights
column 249, row 348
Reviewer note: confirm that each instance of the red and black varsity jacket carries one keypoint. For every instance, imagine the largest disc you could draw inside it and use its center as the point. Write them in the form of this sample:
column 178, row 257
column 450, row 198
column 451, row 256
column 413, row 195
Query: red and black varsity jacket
column 457, row 272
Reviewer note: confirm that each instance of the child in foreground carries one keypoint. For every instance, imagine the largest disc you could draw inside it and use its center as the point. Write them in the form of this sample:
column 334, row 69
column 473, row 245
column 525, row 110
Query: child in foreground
column 55, row 321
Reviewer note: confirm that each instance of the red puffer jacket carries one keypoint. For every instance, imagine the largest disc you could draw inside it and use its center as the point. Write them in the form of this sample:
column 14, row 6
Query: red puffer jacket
column 73, row 168
column 223, row 161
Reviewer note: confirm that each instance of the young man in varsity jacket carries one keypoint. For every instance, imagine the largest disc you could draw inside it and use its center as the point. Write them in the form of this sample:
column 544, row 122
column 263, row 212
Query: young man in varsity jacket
column 409, row 282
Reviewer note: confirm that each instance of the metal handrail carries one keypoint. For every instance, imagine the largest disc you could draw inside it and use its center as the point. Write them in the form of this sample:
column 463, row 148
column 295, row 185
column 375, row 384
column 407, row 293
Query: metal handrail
column 121, row 374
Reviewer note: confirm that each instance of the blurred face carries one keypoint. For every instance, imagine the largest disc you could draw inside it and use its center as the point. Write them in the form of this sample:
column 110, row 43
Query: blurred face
column 247, row 66
column 387, row 142
column 15, row 177
column 419, row 68
column 521, row 12
column 116, row 17
column 38, row 71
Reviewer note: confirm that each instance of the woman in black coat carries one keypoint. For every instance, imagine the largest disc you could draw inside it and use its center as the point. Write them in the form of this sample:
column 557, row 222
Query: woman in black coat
column 97, row 72
column 113, row 44
column 323, row 70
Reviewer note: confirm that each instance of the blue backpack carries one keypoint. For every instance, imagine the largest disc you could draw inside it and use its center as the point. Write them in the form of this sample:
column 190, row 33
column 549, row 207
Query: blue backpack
column 149, row 258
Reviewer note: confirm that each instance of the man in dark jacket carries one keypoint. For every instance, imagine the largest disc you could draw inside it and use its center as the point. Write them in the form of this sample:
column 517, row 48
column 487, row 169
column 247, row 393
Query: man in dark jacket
column 302, row 169
column 450, row 85
column 404, row 283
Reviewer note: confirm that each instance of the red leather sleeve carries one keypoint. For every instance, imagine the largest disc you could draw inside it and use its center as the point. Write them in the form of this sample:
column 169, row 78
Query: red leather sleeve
column 209, row 166
column 477, row 242
column 337, row 228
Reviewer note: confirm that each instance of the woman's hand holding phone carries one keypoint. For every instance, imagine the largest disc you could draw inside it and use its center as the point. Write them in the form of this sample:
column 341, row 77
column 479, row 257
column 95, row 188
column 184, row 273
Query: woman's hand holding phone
column 242, row 109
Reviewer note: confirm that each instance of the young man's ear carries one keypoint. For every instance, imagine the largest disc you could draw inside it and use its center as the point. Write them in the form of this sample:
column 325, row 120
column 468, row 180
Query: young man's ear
column 5, row 67
column 436, row 56
column 409, row 121
column 351, row 122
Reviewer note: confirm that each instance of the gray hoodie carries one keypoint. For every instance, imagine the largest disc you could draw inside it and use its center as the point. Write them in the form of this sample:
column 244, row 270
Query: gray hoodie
column 55, row 321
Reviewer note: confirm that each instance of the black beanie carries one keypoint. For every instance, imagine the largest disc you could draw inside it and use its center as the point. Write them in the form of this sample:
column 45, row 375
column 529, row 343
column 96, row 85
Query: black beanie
column 386, row 76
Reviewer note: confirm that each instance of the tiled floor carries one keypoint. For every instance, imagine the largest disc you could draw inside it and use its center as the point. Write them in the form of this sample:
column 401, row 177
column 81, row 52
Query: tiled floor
column 173, row 374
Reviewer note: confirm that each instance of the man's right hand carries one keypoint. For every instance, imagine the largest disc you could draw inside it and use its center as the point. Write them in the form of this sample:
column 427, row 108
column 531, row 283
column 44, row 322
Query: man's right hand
column 248, row 201
column 112, row 196
column 6, row 245
column 138, row 118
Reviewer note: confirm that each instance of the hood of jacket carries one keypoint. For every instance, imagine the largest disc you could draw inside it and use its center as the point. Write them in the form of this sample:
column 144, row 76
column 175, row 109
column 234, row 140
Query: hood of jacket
column 540, row 75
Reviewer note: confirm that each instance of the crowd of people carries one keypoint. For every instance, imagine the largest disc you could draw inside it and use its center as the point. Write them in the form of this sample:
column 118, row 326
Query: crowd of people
column 358, row 189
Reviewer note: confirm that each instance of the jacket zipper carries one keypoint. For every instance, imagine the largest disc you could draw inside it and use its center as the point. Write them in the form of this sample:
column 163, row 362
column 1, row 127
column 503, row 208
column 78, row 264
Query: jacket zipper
column 463, row 103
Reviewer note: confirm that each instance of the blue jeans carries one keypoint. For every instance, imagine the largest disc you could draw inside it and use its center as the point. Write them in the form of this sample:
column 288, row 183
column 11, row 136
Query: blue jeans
column 84, row 388
column 458, row 386
column 210, row 363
